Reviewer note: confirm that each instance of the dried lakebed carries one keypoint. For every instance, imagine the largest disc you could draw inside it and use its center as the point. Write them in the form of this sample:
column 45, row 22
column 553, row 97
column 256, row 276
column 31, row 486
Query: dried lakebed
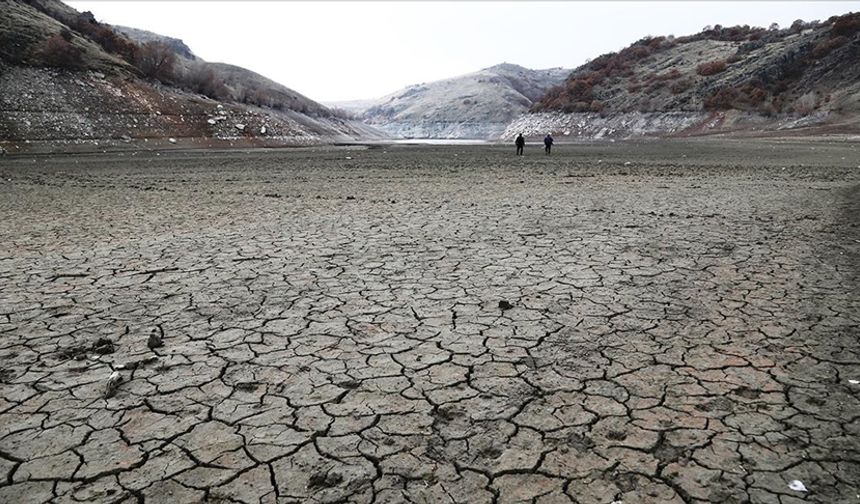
column 672, row 322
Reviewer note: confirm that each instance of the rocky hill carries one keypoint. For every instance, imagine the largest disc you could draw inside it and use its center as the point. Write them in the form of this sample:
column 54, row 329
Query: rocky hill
column 143, row 36
column 70, row 82
column 738, row 79
column 224, row 81
column 476, row 105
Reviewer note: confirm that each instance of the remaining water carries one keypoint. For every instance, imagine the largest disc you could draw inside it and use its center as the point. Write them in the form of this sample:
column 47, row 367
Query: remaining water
column 440, row 141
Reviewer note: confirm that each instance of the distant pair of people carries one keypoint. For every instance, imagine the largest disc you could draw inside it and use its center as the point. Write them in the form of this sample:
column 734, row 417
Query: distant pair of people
column 521, row 143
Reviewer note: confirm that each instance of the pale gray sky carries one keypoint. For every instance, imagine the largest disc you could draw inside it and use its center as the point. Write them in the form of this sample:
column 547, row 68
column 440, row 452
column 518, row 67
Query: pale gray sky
column 353, row 50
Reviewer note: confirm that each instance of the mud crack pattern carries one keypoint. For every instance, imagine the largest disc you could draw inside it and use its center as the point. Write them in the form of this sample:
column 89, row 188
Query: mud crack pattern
column 673, row 323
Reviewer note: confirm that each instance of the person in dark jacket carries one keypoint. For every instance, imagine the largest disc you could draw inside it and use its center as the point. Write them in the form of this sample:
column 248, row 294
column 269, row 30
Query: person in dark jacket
column 547, row 142
column 521, row 143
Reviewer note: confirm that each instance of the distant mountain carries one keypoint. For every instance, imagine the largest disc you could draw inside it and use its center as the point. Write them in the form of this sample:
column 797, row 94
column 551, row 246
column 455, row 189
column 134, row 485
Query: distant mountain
column 724, row 79
column 68, row 80
column 352, row 106
column 475, row 105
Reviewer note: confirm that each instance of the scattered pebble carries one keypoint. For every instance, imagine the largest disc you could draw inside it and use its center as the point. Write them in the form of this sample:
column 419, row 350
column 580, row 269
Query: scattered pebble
column 797, row 486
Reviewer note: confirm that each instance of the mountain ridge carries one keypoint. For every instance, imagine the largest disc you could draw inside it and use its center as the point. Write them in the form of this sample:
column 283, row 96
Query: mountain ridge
column 64, row 76
column 473, row 105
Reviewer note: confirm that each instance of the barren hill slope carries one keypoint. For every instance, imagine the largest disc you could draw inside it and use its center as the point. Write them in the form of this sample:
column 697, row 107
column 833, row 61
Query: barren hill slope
column 68, row 81
column 719, row 80
column 475, row 105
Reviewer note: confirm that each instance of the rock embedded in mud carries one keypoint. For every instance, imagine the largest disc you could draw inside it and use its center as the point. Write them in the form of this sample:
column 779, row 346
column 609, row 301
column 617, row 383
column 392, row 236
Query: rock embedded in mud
column 154, row 340
column 327, row 480
column 104, row 346
column 112, row 384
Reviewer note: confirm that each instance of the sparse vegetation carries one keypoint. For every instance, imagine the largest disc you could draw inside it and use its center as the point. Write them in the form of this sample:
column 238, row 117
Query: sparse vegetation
column 746, row 97
column 105, row 36
column 577, row 94
column 680, row 86
column 156, row 60
column 827, row 45
column 670, row 75
column 806, row 104
column 58, row 51
column 725, row 34
column 846, row 26
column 656, row 82
column 201, row 79
column 85, row 24
column 766, row 86
column 711, row 67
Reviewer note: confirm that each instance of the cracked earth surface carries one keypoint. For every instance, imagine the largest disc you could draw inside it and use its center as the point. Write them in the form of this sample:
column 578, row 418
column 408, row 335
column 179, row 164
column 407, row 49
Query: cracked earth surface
column 669, row 322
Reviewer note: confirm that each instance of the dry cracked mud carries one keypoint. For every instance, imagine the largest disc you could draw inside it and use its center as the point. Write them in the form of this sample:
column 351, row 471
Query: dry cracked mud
column 671, row 322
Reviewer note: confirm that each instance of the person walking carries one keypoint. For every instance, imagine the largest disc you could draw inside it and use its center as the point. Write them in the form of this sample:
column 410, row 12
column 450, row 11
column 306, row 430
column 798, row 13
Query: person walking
column 520, row 143
column 547, row 142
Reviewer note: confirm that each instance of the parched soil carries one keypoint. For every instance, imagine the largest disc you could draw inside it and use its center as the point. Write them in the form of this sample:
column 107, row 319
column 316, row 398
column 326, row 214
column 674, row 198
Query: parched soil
column 640, row 323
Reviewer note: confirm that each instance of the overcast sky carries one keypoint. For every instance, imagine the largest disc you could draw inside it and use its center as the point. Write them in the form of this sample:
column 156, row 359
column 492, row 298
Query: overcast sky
column 355, row 50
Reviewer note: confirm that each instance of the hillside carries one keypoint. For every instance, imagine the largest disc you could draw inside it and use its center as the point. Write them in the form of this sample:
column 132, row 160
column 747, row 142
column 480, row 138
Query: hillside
column 475, row 105
column 238, row 84
column 70, row 82
column 719, row 80
column 143, row 36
